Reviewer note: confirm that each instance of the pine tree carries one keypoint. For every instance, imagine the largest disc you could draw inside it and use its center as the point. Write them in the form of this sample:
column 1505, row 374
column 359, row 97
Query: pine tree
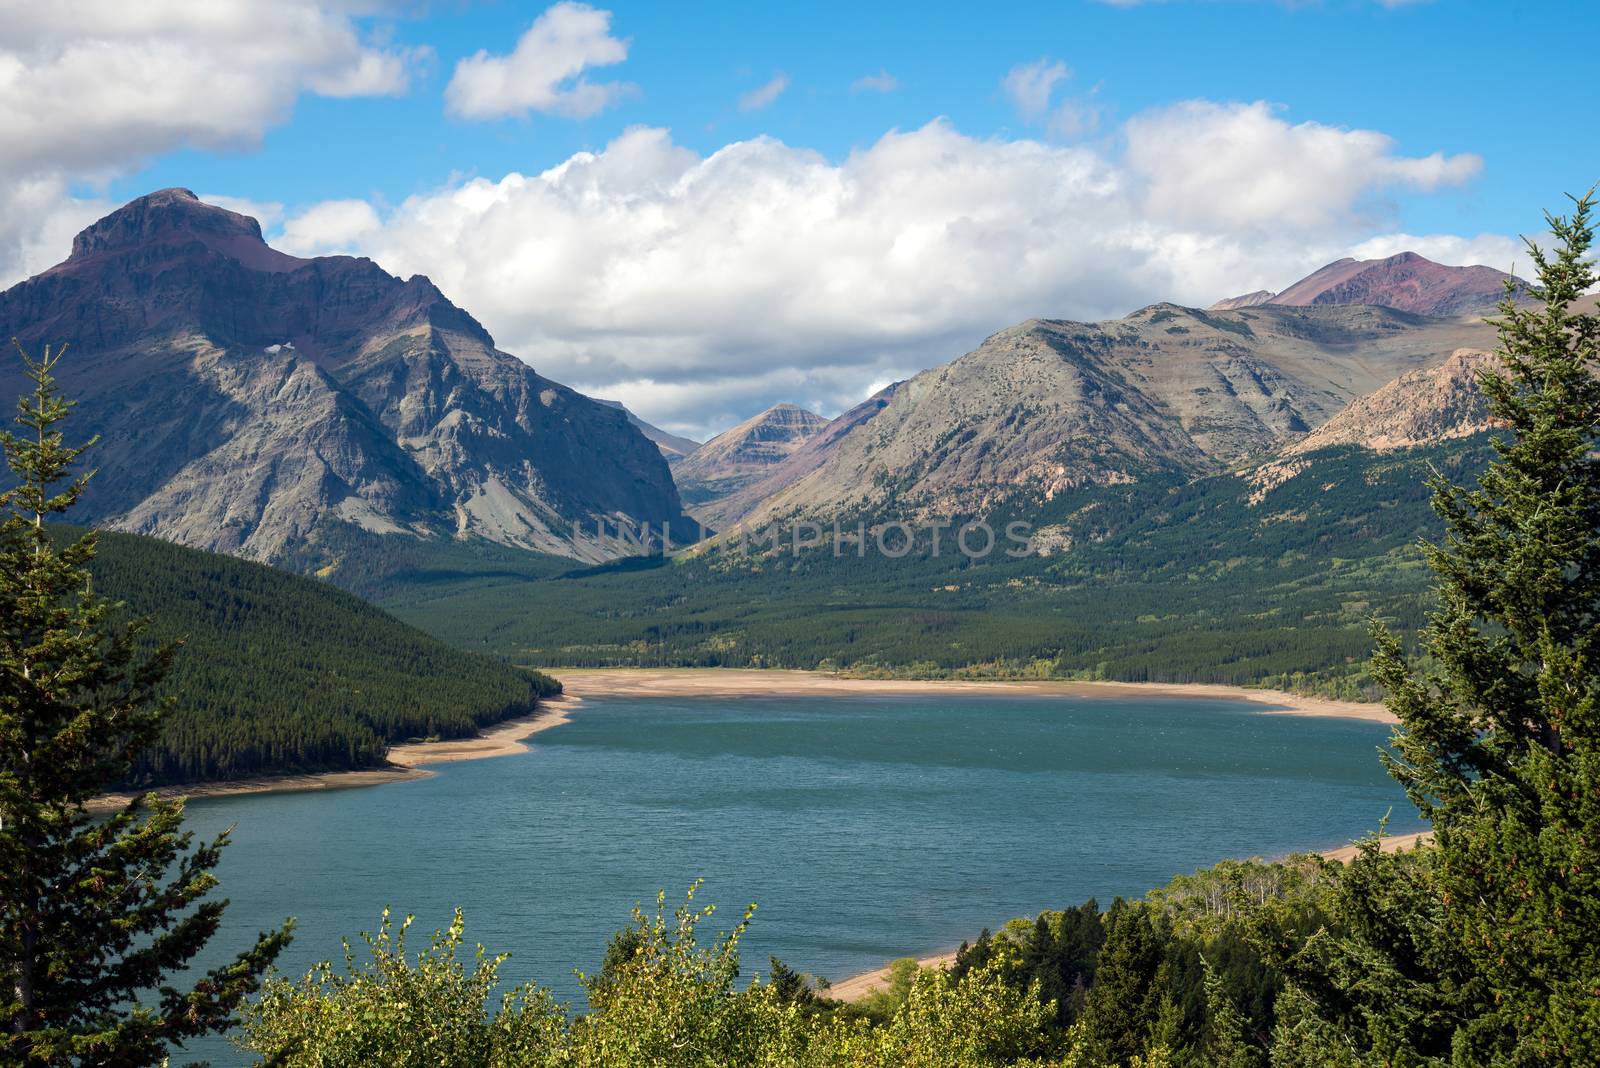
column 94, row 914
column 1487, row 949
column 1131, row 979
column 1228, row 1042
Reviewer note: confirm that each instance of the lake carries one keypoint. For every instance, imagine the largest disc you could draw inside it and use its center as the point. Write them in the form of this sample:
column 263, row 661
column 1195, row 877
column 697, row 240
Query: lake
column 865, row 827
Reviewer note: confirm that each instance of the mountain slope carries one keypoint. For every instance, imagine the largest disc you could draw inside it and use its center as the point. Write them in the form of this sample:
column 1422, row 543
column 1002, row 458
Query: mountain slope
column 1049, row 406
column 743, row 453
column 283, row 674
column 1406, row 282
column 247, row 398
column 1424, row 407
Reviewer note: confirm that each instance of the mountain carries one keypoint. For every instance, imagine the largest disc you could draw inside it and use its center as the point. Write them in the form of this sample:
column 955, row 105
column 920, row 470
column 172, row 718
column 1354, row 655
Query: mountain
column 743, row 453
column 1050, row 406
column 248, row 401
column 281, row 674
column 727, row 510
column 1268, row 572
column 1406, row 282
column 672, row 446
column 1248, row 300
column 1424, row 407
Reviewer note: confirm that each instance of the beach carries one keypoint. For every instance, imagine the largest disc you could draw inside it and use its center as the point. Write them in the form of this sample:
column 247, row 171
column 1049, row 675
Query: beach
column 740, row 682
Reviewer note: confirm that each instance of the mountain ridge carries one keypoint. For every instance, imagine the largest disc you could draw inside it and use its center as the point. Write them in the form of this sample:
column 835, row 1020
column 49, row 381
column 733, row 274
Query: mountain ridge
column 1405, row 281
column 247, row 397
column 1050, row 405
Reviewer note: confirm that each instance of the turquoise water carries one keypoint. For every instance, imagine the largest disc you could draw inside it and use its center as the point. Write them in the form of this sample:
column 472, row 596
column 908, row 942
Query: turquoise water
column 865, row 827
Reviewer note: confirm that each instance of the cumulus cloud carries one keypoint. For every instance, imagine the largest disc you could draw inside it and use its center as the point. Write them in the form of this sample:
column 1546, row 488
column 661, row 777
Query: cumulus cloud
column 333, row 226
column 545, row 71
column 90, row 84
column 699, row 288
column 881, row 82
column 90, row 88
column 1241, row 165
column 763, row 96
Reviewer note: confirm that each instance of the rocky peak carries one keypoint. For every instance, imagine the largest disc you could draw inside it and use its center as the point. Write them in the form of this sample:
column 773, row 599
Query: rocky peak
column 1405, row 281
column 248, row 399
column 1422, row 407
column 174, row 219
column 745, row 452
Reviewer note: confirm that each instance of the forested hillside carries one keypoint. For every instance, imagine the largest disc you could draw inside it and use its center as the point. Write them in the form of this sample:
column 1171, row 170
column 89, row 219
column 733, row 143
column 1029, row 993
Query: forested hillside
column 1230, row 579
column 283, row 674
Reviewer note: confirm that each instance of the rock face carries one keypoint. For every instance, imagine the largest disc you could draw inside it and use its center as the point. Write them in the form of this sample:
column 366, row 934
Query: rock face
column 742, row 454
column 1422, row 407
column 1406, row 282
column 246, row 398
column 1050, row 405
column 1431, row 406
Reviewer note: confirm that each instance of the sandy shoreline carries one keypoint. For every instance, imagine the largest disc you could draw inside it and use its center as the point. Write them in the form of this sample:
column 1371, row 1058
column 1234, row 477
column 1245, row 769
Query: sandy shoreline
column 406, row 762
column 737, row 682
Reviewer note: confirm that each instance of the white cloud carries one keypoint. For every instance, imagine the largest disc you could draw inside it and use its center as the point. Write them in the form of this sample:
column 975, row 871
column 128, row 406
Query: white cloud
column 545, row 71
column 333, row 226
column 762, row 97
column 91, row 84
column 38, row 219
column 881, row 82
column 699, row 288
column 1241, row 165
column 91, row 88
column 1030, row 86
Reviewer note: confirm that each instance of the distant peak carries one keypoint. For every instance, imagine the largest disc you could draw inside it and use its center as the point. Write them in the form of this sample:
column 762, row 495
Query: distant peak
column 1405, row 281
column 1247, row 300
column 164, row 215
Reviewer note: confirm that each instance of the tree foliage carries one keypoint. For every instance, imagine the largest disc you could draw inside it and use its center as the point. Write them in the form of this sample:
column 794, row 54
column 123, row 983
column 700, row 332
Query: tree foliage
column 97, row 917
column 1487, row 951
column 283, row 674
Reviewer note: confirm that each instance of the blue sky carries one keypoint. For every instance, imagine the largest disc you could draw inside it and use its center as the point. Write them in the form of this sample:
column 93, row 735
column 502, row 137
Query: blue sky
column 705, row 208
column 1450, row 75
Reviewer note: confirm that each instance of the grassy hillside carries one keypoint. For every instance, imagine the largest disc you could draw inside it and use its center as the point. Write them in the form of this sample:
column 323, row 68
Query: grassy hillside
column 1211, row 581
column 284, row 674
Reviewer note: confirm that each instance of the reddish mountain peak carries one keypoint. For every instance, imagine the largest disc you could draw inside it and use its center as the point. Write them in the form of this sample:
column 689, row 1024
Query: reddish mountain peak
column 1405, row 281
column 178, row 218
